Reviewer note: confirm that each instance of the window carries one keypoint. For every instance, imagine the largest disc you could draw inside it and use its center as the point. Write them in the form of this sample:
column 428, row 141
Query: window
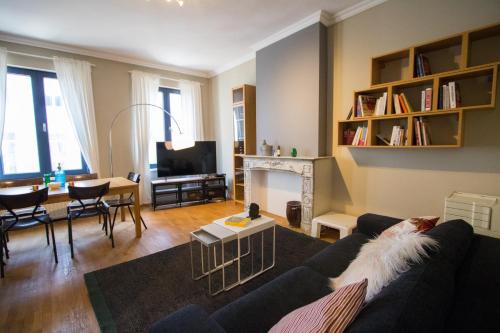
column 38, row 134
column 160, row 122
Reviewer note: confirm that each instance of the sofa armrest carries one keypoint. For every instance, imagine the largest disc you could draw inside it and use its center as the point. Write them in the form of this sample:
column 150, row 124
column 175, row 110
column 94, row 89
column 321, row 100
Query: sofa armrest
column 189, row 319
column 372, row 224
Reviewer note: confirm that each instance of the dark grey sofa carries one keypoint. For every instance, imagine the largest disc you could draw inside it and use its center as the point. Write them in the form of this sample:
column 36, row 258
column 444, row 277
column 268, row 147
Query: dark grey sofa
column 456, row 290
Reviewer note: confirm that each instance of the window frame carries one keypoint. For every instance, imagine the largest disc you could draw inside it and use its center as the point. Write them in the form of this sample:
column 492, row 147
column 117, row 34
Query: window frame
column 38, row 91
column 166, row 119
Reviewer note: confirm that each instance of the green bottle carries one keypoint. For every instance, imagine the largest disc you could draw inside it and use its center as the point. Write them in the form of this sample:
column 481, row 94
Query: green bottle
column 294, row 152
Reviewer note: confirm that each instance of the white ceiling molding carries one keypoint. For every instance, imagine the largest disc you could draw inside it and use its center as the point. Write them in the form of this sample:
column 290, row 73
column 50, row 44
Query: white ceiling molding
column 99, row 54
column 354, row 10
column 232, row 64
column 319, row 16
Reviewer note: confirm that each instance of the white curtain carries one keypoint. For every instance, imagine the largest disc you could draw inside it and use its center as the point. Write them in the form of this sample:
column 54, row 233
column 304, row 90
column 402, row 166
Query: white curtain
column 3, row 85
column 75, row 80
column 144, row 91
column 189, row 117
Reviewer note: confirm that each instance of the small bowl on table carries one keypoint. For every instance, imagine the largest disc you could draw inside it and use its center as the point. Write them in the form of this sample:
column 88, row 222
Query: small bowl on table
column 53, row 186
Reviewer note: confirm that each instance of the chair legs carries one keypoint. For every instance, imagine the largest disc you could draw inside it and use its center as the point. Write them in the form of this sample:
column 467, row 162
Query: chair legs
column 5, row 239
column 53, row 241
column 70, row 236
column 2, row 263
column 133, row 218
column 47, row 233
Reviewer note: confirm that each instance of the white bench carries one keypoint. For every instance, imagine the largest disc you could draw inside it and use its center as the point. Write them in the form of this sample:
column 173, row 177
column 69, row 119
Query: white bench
column 341, row 222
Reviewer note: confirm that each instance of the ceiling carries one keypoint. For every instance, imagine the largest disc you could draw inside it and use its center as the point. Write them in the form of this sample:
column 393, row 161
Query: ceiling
column 203, row 35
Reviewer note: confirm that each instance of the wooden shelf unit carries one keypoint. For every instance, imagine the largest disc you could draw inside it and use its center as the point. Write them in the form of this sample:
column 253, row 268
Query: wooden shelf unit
column 472, row 59
column 244, row 142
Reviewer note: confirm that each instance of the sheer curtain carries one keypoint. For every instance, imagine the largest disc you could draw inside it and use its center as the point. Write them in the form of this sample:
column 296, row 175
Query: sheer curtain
column 75, row 80
column 144, row 91
column 189, row 116
column 3, row 85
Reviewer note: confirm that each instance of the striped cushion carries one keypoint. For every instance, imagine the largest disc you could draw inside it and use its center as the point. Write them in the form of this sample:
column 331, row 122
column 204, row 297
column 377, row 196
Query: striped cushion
column 332, row 313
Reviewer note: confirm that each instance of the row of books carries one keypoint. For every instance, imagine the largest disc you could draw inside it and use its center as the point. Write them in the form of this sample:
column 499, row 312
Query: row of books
column 371, row 106
column 426, row 100
column 358, row 137
column 422, row 66
column 401, row 104
column 422, row 132
column 399, row 137
column 449, row 96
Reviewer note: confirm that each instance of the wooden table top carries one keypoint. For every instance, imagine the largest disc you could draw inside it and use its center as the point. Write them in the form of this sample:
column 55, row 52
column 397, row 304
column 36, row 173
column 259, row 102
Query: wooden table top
column 117, row 185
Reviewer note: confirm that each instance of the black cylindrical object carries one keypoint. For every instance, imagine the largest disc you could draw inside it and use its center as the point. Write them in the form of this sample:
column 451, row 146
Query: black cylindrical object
column 294, row 213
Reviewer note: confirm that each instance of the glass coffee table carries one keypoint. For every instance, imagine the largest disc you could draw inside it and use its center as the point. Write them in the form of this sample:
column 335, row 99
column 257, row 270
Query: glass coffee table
column 219, row 235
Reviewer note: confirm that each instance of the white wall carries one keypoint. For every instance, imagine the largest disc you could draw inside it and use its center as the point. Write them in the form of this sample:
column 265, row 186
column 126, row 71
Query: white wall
column 409, row 182
column 221, row 109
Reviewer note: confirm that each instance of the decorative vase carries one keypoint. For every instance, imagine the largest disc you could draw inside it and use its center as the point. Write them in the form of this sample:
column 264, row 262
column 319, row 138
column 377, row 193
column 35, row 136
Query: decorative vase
column 294, row 152
column 294, row 213
column 265, row 149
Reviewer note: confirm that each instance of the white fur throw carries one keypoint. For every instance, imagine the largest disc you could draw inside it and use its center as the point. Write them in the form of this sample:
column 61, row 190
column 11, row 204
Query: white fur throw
column 383, row 259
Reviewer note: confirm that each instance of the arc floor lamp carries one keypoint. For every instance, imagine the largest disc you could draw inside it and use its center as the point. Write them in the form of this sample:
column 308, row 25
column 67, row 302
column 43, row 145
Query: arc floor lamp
column 182, row 140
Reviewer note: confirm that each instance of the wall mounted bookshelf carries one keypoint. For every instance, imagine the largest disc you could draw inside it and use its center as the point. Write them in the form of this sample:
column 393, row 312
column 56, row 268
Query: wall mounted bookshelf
column 459, row 74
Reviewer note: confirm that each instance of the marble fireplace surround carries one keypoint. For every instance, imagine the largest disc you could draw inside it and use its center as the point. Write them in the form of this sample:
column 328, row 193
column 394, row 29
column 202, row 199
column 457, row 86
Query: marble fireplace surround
column 313, row 196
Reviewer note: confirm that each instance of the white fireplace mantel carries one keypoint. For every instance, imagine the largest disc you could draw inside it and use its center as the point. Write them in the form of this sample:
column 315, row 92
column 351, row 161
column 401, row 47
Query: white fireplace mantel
column 314, row 171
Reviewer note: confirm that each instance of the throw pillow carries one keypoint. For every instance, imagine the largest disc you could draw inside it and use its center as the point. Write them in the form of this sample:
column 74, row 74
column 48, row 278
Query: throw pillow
column 383, row 259
column 414, row 224
column 332, row 313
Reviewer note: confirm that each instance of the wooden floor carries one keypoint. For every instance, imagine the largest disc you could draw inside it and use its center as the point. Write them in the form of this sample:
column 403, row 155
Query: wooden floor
column 37, row 295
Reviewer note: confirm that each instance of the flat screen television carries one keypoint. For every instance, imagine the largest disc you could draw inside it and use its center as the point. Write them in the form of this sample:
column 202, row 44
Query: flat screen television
column 197, row 160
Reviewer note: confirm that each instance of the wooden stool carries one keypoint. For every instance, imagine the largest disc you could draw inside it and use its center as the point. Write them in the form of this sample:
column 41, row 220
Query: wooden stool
column 342, row 222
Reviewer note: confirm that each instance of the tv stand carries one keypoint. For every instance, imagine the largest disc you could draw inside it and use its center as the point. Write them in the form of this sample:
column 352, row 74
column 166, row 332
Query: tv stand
column 187, row 189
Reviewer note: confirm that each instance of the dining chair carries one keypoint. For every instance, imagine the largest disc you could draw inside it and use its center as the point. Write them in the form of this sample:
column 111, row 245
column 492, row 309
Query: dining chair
column 13, row 221
column 126, row 202
column 89, row 202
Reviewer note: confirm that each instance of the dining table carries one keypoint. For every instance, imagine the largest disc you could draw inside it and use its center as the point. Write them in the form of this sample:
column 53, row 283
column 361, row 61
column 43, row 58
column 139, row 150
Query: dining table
column 117, row 186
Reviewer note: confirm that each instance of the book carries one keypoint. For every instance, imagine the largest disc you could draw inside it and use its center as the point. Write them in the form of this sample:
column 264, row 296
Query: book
column 440, row 98
column 237, row 221
column 408, row 106
column 402, row 103
column 397, row 106
column 349, row 136
column 367, row 105
column 349, row 115
column 428, row 99
column 446, row 97
column 417, row 132
column 383, row 104
column 422, row 100
column 453, row 101
column 384, row 140
column 458, row 96
column 426, row 67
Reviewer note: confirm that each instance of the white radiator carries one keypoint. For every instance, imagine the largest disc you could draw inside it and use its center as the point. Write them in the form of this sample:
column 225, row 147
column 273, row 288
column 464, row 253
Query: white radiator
column 480, row 211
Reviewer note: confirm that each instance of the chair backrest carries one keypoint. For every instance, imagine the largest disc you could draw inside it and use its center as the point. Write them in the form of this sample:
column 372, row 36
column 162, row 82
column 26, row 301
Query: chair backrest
column 34, row 199
column 135, row 177
column 85, row 176
column 21, row 182
column 88, row 192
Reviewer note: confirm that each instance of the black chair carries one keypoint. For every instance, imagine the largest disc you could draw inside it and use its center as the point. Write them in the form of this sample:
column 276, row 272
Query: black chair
column 89, row 203
column 14, row 221
column 126, row 202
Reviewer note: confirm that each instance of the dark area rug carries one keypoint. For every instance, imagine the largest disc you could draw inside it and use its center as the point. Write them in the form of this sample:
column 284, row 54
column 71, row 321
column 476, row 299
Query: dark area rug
column 131, row 296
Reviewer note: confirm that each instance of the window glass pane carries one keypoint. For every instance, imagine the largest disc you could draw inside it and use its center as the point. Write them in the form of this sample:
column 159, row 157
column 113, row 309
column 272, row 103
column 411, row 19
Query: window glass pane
column 156, row 127
column 20, row 145
column 175, row 109
column 63, row 143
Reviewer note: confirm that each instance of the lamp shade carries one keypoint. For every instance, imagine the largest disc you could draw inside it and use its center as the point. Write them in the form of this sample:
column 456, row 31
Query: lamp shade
column 182, row 141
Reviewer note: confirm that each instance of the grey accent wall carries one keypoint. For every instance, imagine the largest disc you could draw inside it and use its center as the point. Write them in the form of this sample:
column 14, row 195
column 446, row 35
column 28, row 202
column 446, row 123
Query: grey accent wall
column 291, row 77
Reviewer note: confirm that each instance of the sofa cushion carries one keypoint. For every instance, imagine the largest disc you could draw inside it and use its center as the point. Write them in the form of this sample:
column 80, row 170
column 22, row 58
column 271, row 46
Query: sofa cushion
column 477, row 291
column 189, row 319
column 421, row 298
column 372, row 224
column 331, row 313
column 260, row 309
column 334, row 259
